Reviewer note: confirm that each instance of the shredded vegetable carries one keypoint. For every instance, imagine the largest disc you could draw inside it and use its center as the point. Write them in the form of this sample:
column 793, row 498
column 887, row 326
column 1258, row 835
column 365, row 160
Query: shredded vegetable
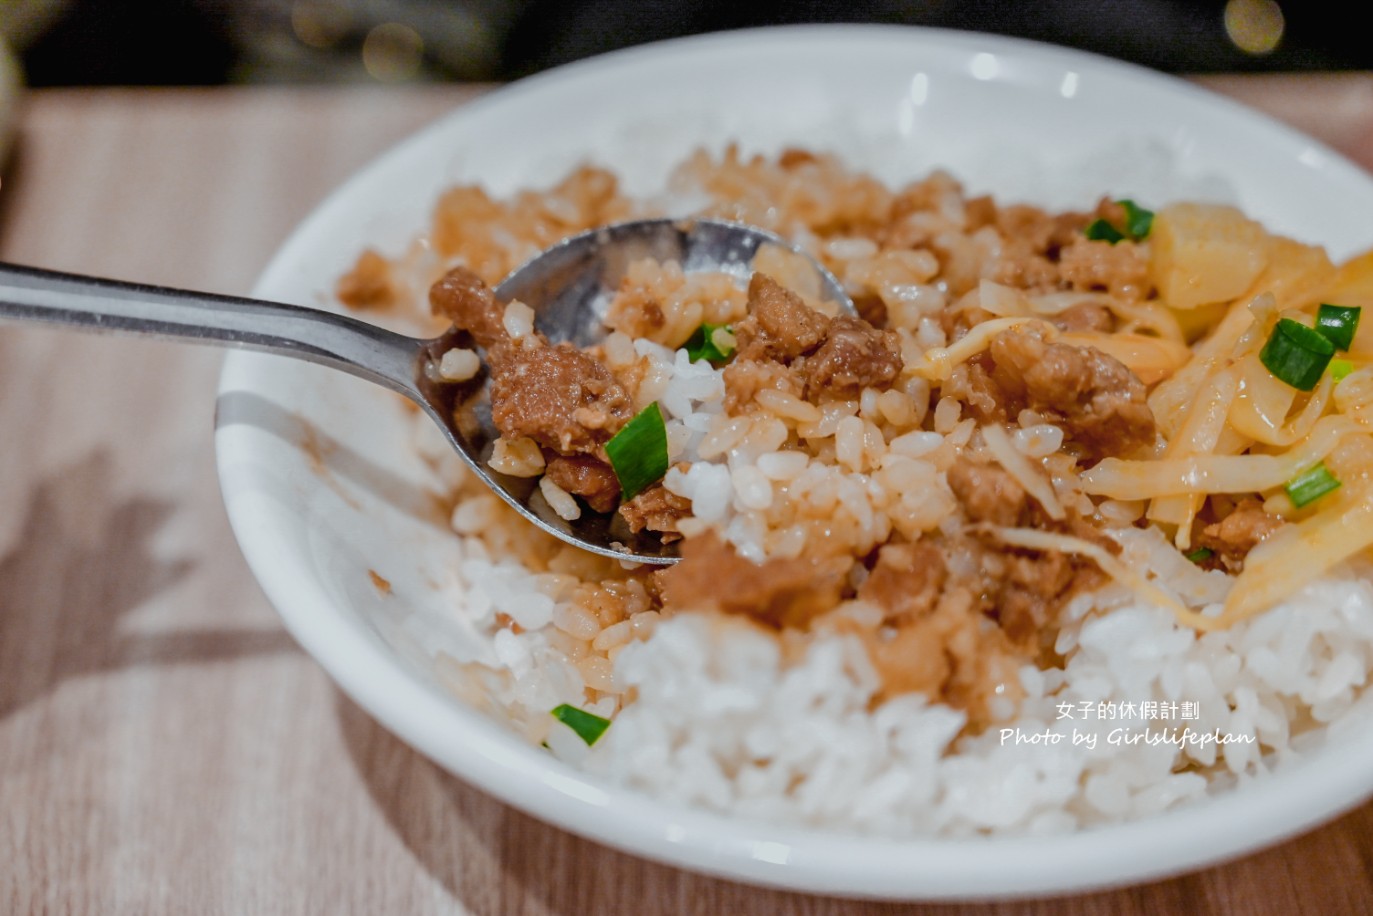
column 1296, row 554
column 1238, row 353
column 1019, row 467
column 939, row 362
column 1035, row 539
column 1120, row 478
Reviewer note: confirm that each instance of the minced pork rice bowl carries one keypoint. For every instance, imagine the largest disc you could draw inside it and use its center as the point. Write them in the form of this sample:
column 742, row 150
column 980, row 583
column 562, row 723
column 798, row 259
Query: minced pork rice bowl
column 1066, row 526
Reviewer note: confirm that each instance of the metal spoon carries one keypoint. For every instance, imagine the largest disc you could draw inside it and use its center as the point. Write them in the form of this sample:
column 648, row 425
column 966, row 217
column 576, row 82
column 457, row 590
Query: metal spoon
column 568, row 286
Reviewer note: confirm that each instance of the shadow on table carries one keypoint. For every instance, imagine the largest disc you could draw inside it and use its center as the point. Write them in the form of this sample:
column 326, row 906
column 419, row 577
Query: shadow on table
column 493, row 859
column 332, row 460
column 11, row 167
column 79, row 563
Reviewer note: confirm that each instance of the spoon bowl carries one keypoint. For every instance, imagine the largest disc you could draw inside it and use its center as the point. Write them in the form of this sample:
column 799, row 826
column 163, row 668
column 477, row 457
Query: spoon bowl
column 569, row 287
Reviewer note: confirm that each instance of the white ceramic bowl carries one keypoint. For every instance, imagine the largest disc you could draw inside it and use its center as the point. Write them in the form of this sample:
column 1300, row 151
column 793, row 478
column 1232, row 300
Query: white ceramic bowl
column 321, row 485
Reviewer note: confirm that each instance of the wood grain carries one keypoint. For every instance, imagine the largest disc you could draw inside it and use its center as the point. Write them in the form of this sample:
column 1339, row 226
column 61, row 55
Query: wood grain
column 164, row 746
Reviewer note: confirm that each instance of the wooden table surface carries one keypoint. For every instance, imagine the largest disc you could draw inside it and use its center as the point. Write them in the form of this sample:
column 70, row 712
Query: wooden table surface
column 164, row 745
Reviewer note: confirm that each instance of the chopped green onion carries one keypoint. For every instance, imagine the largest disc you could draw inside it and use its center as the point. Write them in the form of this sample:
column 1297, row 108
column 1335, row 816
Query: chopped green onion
column 1297, row 354
column 638, row 453
column 1339, row 368
column 1311, row 485
column 588, row 726
column 1102, row 231
column 1200, row 554
column 1138, row 221
column 712, row 342
column 1338, row 323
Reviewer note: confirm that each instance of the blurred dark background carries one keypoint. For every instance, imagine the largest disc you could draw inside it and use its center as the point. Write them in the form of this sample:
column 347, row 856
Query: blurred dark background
column 154, row 42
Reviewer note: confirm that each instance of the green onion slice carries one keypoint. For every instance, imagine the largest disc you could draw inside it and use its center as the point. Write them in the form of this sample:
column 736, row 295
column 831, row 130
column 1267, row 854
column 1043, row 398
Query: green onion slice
column 1338, row 323
column 1102, row 231
column 588, row 726
column 638, row 453
column 712, row 342
column 1297, row 354
column 1138, row 221
column 1201, row 553
column 1311, row 485
column 1339, row 368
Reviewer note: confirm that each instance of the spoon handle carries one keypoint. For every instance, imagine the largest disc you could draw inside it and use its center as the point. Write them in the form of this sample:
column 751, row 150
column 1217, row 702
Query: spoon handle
column 95, row 304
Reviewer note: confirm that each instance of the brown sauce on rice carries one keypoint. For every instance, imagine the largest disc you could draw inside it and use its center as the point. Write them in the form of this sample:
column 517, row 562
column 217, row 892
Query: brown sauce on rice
column 916, row 573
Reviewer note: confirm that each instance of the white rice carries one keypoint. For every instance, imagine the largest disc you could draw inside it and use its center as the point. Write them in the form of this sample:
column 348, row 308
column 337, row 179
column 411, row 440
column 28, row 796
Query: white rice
column 718, row 713
column 721, row 717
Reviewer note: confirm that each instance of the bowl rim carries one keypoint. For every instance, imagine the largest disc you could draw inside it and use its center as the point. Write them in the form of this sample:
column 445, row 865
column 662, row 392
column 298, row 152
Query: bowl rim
column 495, row 760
